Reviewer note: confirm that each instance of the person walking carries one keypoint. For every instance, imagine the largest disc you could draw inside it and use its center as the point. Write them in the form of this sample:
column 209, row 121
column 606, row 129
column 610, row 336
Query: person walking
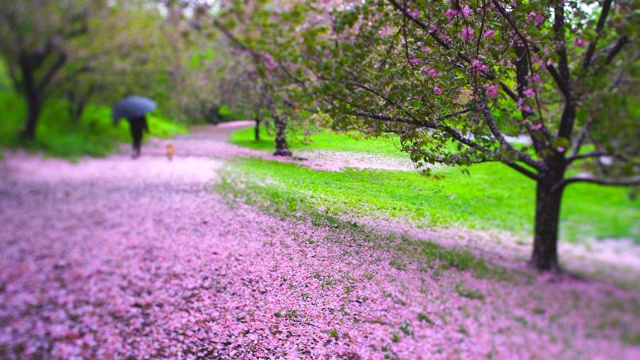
column 138, row 125
column 134, row 109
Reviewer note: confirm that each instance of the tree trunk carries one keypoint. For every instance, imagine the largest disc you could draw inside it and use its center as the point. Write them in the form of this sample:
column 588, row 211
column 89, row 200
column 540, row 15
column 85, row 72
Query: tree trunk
column 256, row 130
column 76, row 109
column 545, row 243
column 34, row 108
column 33, row 89
column 282, row 149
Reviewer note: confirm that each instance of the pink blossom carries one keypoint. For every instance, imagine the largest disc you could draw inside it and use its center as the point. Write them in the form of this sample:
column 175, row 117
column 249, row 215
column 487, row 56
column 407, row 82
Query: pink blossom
column 524, row 107
column 414, row 61
column 529, row 92
column 414, row 14
column 467, row 33
column 490, row 34
column 579, row 42
column 425, row 49
column 269, row 62
column 437, row 90
column 536, row 127
column 430, row 72
column 451, row 13
column 477, row 66
column 561, row 149
column 492, row 91
column 466, row 11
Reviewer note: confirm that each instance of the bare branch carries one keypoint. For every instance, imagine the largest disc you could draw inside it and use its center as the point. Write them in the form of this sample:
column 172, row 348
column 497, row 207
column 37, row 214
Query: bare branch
column 524, row 171
column 592, row 46
column 581, row 138
column 498, row 135
column 634, row 181
column 558, row 79
column 51, row 72
column 595, row 154
column 560, row 38
column 615, row 49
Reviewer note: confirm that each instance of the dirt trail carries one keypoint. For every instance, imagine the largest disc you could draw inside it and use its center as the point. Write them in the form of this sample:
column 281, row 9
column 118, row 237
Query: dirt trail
column 116, row 258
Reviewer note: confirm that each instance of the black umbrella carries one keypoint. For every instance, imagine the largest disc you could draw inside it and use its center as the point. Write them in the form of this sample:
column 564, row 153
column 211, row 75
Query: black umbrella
column 132, row 107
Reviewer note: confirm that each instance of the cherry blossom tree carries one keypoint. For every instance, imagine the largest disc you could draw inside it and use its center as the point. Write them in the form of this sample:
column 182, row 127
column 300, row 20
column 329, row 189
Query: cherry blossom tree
column 259, row 34
column 457, row 80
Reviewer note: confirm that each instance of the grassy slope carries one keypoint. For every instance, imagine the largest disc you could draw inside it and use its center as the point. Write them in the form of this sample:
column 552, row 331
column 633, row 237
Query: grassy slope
column 493, row 197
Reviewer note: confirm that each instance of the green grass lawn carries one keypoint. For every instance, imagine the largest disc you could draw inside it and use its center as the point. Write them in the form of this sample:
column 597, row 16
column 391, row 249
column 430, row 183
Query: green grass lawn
column 322, row 141
column 58, row 136
column 493, row 197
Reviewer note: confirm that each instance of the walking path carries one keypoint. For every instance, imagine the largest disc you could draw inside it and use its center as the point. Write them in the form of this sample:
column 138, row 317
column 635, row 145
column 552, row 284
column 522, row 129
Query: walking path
column 116, row 258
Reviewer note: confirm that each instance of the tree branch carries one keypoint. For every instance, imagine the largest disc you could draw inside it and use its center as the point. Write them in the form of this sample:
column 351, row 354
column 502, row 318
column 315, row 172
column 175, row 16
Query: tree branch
column 592, row 46
column 51, row 72
column 635, row 181
column 522, row 170
column 583, row 135
column 595, row 154
column 498, row 135
column 385, row 98
column 455, row 134
column 560, row 38
column 615, row 49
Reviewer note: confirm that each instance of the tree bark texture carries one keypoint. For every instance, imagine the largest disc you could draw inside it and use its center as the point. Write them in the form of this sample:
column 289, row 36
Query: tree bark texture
column 34, row 108
column 76, row 109
column 547, row 219
column 256, row 130
column 282, row 148
column 33, row 86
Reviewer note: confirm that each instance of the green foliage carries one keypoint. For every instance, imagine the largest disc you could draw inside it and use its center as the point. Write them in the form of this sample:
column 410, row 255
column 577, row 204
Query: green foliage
column 493, row 197
column 58, row 136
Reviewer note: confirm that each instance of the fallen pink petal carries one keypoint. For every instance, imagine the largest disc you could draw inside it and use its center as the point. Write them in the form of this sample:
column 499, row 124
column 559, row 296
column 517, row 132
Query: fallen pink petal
column 115, row 258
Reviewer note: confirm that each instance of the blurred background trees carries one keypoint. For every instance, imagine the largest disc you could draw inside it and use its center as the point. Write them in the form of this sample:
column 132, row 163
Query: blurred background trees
column 66, row 57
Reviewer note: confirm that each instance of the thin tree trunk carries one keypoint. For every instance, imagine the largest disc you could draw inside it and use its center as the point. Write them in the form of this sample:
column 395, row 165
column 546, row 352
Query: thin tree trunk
column 545, row 243
column 77, row 103
column 33, row 89
column 76, row 109
column 256, row 130
column 282, row 148
column 34, row 108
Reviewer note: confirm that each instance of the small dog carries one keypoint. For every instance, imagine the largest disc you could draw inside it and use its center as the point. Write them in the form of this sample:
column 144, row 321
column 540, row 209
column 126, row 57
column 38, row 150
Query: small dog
column 170, row 151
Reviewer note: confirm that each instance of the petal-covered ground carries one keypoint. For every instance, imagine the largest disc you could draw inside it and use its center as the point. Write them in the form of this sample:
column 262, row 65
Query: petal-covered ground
column 116, row 258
